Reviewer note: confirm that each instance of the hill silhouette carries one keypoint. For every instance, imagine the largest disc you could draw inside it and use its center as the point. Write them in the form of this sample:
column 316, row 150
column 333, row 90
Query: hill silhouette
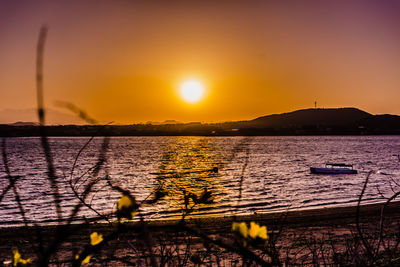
column 318, row 116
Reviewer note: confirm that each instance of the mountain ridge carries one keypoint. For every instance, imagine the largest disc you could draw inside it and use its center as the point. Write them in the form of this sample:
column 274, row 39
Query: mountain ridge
column 313, row 116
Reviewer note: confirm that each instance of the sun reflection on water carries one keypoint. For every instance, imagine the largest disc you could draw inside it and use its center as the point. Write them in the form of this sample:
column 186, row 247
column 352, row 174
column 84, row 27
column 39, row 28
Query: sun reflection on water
column 190, row 165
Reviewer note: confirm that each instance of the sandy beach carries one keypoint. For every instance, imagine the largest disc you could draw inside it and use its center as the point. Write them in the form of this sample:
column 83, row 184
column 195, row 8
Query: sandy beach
column 299, row 236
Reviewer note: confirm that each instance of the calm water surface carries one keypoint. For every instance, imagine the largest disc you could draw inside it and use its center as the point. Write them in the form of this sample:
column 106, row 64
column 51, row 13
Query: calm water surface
column 275, row 173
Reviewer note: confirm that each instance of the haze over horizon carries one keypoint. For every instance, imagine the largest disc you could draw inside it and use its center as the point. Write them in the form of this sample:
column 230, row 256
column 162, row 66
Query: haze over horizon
column 125, row 61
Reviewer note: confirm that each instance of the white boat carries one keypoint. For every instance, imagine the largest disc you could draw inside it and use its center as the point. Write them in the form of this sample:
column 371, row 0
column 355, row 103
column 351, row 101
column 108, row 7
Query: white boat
column 334, row 168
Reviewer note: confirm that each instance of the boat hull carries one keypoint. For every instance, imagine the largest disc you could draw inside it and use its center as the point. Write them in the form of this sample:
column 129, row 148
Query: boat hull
column 332, row 171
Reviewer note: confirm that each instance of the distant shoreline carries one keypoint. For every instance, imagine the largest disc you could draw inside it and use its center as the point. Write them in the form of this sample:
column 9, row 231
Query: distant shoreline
column 180, row 130
column 335, row 121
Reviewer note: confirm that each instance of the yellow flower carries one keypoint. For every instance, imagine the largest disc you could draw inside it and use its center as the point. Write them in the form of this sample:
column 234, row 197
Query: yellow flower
column 95, row 238
column 126, row 207
column 124, row 202
column 17, row 257
column 86, row 260
column 241, row 228
column 255, row 235
column 17, row 260
column 263, row 234
column 256, row 231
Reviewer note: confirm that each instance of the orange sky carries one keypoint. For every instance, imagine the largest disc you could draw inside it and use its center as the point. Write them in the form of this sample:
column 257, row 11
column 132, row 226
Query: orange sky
column 123, row 61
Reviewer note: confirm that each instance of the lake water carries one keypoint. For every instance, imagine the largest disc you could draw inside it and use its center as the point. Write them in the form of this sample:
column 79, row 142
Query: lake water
column 275, row 173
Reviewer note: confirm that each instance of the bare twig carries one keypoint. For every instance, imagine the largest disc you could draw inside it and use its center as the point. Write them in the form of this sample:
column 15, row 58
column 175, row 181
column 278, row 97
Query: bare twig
column 51, row 175
column 78, row 111
column 364, row 241
column 12, row 180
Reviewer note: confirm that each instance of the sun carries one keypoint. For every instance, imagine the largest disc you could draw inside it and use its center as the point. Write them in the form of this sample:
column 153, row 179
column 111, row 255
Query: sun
column 191, row 91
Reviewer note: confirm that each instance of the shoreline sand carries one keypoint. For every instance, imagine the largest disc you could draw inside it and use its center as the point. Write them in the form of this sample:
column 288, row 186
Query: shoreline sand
column 318, row 221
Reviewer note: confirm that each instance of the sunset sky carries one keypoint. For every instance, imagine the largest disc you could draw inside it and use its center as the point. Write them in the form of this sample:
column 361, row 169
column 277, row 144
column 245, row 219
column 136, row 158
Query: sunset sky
column 124, row 61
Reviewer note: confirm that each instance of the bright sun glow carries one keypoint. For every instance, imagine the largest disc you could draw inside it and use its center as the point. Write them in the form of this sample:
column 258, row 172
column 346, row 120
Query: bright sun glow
column 192, row 91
